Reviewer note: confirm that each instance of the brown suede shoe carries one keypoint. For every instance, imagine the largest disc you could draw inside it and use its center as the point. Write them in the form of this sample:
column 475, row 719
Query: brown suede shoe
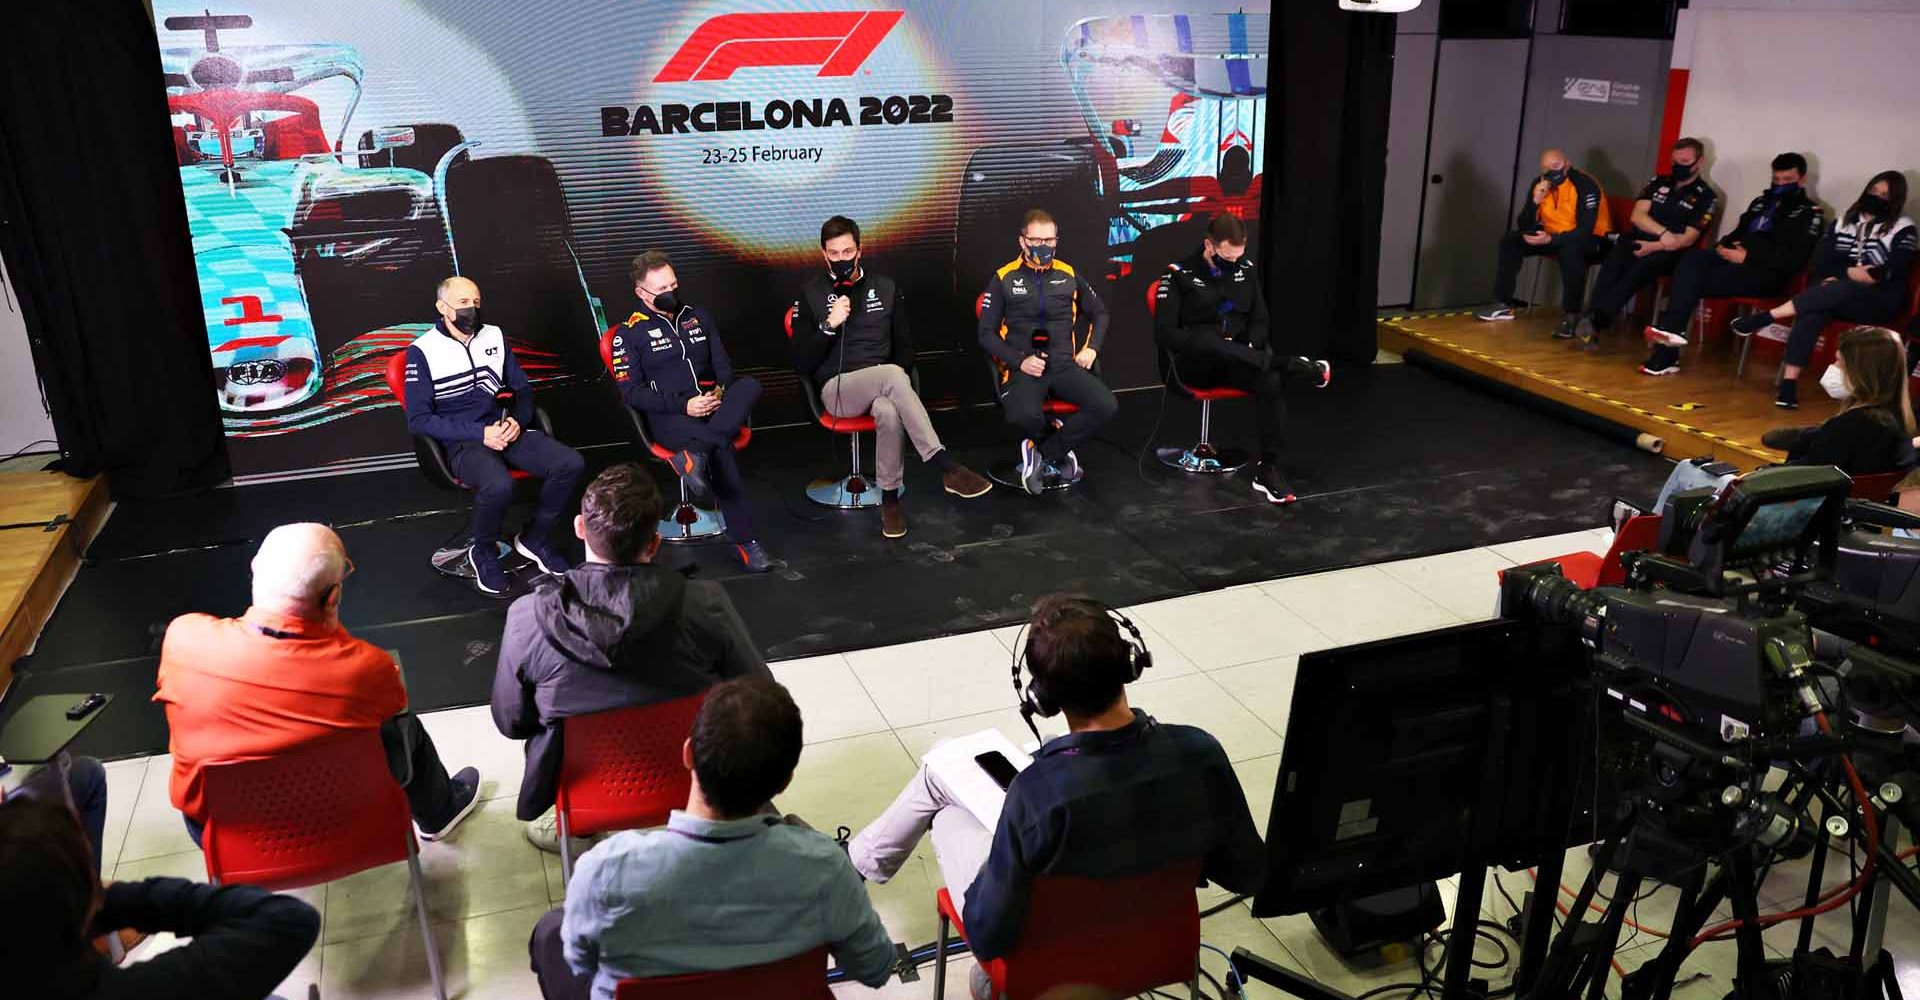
column 964, row 482
column 893, row 519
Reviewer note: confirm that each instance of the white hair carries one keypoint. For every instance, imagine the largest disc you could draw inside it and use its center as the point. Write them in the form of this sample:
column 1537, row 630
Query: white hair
column 298, row 563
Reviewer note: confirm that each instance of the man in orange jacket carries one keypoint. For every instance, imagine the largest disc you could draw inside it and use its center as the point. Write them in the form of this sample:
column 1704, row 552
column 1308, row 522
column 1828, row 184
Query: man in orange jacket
column 286, row 674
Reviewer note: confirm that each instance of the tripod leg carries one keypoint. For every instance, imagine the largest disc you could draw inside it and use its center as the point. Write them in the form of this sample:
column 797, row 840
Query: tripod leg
column 1698, row 898
column 1624, row 890
column 1560, row 975
column 1753, row 982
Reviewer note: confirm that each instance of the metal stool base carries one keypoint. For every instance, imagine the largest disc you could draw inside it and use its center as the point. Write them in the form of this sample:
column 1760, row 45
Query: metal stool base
column 1203, row 459
column 847, row 493
column 1008, row 474
column 452, row 561
column 691, row 524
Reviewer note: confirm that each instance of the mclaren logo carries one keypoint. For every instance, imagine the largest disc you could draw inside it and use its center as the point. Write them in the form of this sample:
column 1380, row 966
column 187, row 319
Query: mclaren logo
column 256, row 372
column 836, row 41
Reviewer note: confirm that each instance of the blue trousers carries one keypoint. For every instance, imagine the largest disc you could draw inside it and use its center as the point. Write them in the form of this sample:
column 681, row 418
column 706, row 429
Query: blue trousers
column 558, row 467
column 80, row 782
column 713, row 435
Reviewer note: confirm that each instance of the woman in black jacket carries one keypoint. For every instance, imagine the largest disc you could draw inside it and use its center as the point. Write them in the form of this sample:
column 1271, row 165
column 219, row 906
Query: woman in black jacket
column 1874, row 431
column 245, row 940
column 1859, row 273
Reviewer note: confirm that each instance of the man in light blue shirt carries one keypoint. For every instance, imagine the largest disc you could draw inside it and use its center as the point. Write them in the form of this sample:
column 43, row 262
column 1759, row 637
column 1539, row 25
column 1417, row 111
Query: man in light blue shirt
column 726, row 884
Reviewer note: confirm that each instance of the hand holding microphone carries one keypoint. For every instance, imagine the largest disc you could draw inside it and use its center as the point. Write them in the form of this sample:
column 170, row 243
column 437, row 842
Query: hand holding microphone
column 839, row 307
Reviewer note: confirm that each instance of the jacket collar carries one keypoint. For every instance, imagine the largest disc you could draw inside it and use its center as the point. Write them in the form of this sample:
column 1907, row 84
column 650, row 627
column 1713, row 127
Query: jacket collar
column 1100, row 740
column 719, row 831
column 276, row 625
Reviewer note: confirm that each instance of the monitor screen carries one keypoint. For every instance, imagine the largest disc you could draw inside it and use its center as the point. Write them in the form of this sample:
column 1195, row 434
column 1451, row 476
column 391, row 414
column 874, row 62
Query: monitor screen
column 1777, row 525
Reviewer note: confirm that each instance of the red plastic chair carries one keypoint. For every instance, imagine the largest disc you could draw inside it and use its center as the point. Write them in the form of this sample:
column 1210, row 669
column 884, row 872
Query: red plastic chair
column 1877, row 486
column 622, row 769
column 688, row 523
column 432, row 456
column 312, row 815
column 851, row 491
column 802, row 977
column 1588, row 570
column 1201, row 456
column 1124, row 935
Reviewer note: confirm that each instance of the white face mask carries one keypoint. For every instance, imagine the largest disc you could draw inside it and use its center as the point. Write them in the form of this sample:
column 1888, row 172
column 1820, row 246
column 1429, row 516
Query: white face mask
column 1834, row 381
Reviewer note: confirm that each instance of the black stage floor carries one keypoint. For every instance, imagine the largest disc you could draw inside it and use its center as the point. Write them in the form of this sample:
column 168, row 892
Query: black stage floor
column 1390, row 463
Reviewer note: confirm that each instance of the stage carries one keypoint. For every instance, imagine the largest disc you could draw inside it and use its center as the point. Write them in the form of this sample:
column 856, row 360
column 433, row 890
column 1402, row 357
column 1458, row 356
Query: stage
column 1705, row 410
column 1390, row 462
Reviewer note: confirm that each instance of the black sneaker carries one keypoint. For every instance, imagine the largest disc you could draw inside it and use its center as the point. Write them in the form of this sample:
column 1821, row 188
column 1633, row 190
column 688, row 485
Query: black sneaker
column 543, row 554
column 1321, row 373
column 753, row 556
column 488, row 577
column 1788, row 395
column 1033, row 468
column 1751, row 323
column 1662, row 360
column 691, row 467
column 1268, row 482
column 466, row 795
column 1585, row 329
column 1567, row 327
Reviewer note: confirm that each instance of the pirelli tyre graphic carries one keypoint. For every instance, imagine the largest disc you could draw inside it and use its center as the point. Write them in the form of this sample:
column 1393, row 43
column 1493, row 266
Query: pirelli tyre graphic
column 316, row 260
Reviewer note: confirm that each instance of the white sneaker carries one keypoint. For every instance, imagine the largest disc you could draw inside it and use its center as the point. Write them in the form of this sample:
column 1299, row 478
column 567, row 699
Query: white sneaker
column 544, row 833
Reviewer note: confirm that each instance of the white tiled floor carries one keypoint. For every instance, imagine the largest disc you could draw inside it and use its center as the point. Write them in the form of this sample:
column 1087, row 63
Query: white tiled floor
column 1224, row 661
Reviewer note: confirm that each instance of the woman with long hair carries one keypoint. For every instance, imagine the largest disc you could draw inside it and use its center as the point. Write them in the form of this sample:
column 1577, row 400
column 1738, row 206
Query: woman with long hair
column 1859, row 273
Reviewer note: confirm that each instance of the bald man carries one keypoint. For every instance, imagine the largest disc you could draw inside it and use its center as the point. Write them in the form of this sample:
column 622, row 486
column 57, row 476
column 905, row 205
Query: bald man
column 1564, row 215
column 286, row 674
column 465, row 390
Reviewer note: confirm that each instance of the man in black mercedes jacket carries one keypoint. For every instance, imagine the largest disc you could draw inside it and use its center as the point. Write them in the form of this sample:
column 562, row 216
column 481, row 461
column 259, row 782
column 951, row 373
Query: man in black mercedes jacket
column 1210, row 315
column 1044, row 325
column 613, row 632
column 850, row 337
column 1772, row 243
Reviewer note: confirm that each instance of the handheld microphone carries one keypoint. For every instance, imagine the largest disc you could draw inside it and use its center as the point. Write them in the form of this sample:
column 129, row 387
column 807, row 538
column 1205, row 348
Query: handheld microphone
column 505, row 398
column 1040, row 340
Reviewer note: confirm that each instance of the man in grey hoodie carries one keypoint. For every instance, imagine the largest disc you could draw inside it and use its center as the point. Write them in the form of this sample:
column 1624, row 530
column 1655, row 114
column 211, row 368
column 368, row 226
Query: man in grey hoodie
column 613, row 632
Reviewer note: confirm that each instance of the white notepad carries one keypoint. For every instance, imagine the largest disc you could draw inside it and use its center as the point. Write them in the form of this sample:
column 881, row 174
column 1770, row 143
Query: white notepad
column 952, row 761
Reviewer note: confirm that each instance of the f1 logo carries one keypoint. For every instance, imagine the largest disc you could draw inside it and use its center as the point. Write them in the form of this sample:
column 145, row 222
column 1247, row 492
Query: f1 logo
column 836, row 41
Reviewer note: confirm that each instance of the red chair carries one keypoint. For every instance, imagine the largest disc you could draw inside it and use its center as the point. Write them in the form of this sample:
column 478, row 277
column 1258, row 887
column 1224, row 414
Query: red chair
column 1124, row 935
column 622, row 769
column 1201, row 456
column 1827, row 347
column 688, row 523
column 1878, row 487
column 312, row 815
column 1008, row 473
column 450, row 559
column 802, row 977
column 851, row 491
column 1640, row 533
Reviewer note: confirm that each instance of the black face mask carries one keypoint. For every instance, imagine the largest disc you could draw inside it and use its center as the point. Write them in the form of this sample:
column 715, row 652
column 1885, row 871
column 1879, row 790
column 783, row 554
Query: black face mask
column 1874, row 205
column 667, row 304
column 1782, row 190
column 1041, row 255
column 467, row 320
column 1225, row 266
column 1682, row 171
column 1555, row 176
column 842, row 269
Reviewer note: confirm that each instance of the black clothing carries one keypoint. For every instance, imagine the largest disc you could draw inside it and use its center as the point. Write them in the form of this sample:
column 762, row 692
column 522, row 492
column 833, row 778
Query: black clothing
column 1862, row 440
column 1886, row 250
column 244, row 942
column 1778, row 232
column 1704, row 274
column 1622, row 274
column 1842, row 299
column 1676, row 206
column 1199, row 310
column 1574, row 251
column 601, row 637
column 660, row 363
column 712, row 435
column 1021, row 300
column 874, row 333
column 1023, row 396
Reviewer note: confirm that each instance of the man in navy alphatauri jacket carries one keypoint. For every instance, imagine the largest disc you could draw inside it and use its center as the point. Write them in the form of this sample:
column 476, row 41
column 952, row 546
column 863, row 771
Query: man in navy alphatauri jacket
column 465, row 390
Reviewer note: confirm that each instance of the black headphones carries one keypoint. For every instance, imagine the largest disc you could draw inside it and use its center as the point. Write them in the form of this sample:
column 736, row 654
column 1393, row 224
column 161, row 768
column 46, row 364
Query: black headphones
column 1032, row 694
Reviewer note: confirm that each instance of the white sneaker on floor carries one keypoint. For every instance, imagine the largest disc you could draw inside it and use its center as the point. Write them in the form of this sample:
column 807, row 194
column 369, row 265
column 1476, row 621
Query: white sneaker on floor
column 544, row 833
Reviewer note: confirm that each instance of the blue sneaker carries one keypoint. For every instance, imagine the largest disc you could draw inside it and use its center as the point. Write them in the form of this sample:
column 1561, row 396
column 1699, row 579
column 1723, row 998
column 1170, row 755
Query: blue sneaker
column 465, row 795
column 543, row 554
column 487, row 574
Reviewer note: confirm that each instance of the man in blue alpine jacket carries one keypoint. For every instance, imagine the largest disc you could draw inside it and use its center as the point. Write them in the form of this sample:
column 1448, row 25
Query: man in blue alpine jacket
column 465, row 390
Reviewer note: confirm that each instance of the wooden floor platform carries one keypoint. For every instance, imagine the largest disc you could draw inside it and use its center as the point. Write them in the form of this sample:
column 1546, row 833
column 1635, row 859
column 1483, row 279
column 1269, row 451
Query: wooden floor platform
column 1705, row 410
column 56, row 516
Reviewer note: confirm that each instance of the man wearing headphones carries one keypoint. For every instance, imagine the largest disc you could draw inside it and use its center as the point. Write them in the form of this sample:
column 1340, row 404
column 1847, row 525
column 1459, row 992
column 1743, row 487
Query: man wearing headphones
column 1119, row 795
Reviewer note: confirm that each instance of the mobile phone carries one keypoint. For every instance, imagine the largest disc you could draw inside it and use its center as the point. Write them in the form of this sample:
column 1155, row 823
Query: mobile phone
column 85, row 706
column 997, row 766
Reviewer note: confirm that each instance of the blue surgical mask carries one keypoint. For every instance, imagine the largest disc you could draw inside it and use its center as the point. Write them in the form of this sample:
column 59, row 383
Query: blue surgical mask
column 1782, row 189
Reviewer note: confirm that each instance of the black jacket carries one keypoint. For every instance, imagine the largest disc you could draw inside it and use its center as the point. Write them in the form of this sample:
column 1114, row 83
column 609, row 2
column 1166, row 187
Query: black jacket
column 1586, row 213
column 1862, row 440
column 602, row 637
column 1675, row 206
column 1020, row 300
column 1778, row 231
column 245, row 941
column 1199, row 311
column 659, row 364
column 875, row 332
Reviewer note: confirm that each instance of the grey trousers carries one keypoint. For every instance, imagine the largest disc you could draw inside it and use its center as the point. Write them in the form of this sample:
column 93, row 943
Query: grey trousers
column 887, row 393
column 960, row 843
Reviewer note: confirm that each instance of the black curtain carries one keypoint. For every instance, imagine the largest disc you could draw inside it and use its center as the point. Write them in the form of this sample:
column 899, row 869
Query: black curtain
column 1330, row 79
column 94, row 228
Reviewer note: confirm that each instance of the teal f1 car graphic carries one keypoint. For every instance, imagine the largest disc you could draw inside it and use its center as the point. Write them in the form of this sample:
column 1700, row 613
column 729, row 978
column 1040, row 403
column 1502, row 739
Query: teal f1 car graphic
column 314, row 257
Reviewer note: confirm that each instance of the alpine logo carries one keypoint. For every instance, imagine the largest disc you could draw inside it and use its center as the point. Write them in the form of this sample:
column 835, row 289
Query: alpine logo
column 836, row 41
